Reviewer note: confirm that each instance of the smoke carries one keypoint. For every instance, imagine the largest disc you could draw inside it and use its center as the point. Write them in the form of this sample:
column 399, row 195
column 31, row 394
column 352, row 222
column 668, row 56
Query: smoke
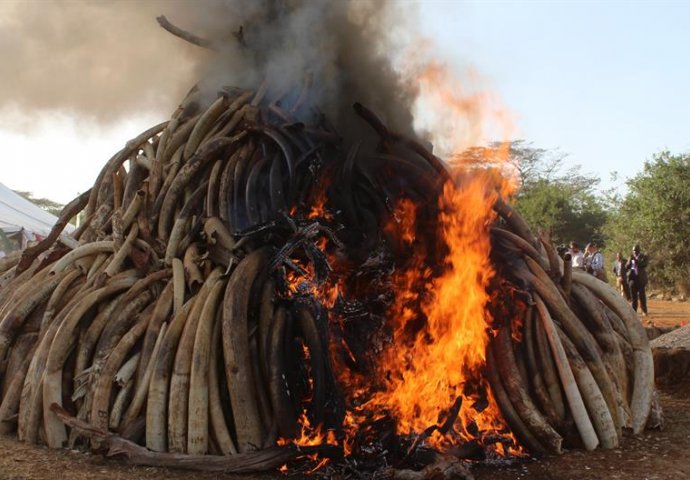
column 101, row 60
column 110, row 60
column 343, row 49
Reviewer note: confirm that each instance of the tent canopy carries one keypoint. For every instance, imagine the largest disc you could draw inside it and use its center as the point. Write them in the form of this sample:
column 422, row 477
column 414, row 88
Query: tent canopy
column 17, row 213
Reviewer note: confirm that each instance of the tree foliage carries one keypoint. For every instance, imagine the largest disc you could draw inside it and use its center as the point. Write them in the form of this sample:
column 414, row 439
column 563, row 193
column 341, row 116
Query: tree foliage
column 560, row 201
column 656, row 214
column 569, row 210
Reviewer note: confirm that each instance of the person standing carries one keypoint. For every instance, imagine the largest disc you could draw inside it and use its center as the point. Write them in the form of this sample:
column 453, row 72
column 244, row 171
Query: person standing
column 619, row 272
column 636, row 275
column 577, row 258
column 595, row 262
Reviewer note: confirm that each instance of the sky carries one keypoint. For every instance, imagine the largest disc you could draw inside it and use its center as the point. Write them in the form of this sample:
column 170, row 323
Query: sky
column 605, row 83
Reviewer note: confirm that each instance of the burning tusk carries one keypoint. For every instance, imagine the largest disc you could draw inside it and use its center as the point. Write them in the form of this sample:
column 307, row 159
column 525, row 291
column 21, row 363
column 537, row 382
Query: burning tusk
column 507, row 409
column 307, row 325
column 281, row 396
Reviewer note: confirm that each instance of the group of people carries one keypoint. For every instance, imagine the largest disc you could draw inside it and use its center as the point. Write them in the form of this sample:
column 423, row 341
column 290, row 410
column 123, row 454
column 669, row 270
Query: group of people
column 631, row 274
column 591, row 260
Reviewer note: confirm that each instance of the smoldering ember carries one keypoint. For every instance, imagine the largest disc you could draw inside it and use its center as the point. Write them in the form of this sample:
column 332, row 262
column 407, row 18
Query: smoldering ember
column 256, row 288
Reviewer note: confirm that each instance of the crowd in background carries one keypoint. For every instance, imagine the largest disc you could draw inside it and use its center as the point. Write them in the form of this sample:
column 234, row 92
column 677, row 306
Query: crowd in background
column 630, row 274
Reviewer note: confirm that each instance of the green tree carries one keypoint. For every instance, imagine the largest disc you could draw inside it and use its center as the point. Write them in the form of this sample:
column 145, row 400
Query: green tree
column 568, row 210
column 655, row 213
column 561, row 201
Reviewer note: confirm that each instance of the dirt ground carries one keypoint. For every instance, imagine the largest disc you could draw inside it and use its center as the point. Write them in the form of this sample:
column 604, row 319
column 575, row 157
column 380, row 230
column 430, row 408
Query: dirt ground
column 667, row 314
column 656, row 455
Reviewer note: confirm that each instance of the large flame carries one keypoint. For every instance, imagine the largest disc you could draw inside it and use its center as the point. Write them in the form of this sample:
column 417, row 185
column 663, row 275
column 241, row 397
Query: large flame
column 439, row 321
column 442, row 360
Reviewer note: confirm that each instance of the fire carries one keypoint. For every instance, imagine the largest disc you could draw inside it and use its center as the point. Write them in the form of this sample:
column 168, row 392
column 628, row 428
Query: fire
column 458, row 115
column 428, row 369
column 403, row 226
column 318, row 207
column 302, row 281
column 439, row 319
column 438, row 324
column 310, row 435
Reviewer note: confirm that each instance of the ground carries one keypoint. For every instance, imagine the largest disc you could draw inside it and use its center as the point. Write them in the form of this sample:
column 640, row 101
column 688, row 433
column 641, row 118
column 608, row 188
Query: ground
column 668, row 314
column 656, row 455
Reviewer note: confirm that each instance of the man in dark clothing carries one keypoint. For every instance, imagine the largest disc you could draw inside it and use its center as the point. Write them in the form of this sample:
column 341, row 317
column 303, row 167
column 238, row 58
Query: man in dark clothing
column 636, row 274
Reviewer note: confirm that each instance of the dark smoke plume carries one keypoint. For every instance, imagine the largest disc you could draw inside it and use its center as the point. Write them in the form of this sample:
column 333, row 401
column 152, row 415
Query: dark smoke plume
column 110, row 60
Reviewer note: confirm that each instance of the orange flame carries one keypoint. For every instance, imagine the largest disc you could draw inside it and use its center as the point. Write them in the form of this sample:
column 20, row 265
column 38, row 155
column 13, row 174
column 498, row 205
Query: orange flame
column 318, row 207
column 456, row 115
column 310, row 436
column 404, row 220
column 440, row 321
column 304, row 282
column 427, row 373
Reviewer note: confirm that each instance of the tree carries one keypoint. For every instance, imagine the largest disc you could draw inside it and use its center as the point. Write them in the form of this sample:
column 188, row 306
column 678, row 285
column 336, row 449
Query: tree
column 567, row 210
column 656, row 214
column 563, row 202
column 44, row 203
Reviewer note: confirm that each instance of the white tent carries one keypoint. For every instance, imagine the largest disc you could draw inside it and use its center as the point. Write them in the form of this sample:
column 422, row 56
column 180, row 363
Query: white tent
column 18, row 215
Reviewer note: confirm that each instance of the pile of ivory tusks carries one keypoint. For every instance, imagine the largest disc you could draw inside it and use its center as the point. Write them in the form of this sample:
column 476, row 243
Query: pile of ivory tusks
column 152, row 319
column 162, row 317
column 575, row 365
